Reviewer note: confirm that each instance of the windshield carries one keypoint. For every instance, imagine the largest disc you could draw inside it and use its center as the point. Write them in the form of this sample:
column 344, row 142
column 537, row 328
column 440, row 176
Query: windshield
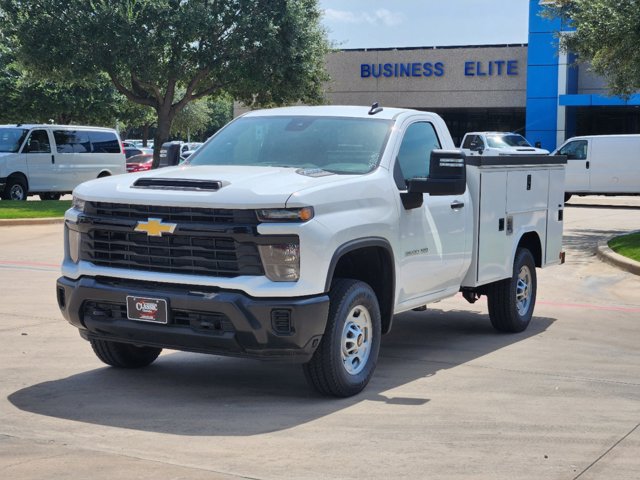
column 334, row 144
column 506, row 141
column 12, row 138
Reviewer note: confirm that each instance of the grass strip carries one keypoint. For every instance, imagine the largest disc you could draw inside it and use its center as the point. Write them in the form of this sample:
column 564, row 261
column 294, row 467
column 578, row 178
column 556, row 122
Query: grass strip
column 12, row 209
column 627, row 245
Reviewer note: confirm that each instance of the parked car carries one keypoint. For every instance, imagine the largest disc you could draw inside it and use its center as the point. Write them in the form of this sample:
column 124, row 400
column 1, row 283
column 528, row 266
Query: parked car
column 602, row 165
column 50, row 160
column 498, row 143
column 140, row 162
column 131, row 151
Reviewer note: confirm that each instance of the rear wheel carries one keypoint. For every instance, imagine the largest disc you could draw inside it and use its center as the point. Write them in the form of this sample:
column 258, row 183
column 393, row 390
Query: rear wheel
column 50, row 196
column 346, row 357
column 123, row 355
column 511, row 301
column 15, row 189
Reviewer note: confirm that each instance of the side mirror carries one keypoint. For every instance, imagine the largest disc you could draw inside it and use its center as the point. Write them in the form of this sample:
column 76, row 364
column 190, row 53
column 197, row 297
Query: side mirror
column 447, row 175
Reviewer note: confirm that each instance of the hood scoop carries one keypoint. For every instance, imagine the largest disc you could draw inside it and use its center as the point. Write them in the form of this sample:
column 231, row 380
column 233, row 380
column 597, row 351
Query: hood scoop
column 178, row 184
column 313, row 172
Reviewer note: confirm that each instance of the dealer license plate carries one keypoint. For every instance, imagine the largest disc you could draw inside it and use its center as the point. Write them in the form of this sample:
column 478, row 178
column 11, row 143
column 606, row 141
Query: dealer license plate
column 145, row 309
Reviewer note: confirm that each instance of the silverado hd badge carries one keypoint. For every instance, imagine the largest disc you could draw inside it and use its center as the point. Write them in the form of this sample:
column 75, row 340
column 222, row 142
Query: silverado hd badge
column 154, row 227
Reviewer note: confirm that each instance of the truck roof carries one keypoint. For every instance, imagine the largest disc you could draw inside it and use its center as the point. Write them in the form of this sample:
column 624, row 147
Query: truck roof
column 387, row 113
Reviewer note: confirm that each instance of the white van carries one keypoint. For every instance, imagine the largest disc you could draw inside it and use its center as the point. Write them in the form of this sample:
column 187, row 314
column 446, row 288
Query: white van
column 602, row 165
column 50, row 160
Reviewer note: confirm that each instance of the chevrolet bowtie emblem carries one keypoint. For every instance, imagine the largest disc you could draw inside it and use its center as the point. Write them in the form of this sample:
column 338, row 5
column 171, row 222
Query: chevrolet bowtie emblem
column 155, row 228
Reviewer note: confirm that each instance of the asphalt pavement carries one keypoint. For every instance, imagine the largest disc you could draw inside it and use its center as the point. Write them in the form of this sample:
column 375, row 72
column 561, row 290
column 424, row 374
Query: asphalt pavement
column 450, row 399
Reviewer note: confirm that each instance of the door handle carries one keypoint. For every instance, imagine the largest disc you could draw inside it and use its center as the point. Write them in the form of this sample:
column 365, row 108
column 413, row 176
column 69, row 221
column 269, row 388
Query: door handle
column 587, row 164
column 53, row 159
column 457, row 205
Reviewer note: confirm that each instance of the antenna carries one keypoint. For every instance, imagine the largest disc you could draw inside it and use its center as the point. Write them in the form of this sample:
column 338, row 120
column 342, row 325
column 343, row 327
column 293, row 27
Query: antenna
column 375, row 108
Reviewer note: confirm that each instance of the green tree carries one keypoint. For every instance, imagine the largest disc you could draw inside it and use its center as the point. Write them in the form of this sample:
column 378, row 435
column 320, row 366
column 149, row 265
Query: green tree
column 607, row 35
column 192, row 119
column 167, row 53
column 136, row 117
column 26, row 99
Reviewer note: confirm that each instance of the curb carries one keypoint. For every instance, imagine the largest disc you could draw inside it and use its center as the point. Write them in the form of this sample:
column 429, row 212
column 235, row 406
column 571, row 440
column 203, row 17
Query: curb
column 612, row 258
column 30, row 221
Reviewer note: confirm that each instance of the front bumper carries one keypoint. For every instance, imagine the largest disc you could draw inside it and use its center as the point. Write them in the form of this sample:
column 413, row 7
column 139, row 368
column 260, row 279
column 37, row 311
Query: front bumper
column 199, row 319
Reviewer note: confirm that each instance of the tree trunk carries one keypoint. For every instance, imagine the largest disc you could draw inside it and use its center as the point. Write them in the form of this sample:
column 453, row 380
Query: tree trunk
column 162, row 135
column 145, row 134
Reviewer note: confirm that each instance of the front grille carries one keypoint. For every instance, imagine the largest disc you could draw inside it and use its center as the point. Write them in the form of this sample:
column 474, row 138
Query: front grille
column 206, row 241
column 176, row 253
column 212, row 322
column 219, row 216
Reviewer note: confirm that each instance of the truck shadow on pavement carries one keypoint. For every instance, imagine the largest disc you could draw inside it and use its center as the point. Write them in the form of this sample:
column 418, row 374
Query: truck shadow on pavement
column 203, row 395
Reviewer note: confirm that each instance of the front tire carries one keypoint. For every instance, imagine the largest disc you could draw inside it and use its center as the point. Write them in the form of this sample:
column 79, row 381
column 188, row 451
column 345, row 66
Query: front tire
column 15, row 189
column 347, row 355
column 123, row 355
column 511, row 301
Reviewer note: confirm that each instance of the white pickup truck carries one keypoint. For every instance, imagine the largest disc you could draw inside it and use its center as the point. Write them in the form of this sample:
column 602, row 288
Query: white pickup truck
column 498, row 143
column 298, row 233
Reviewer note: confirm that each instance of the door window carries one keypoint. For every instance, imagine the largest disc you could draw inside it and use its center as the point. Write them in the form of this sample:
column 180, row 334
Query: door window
column 38, row 142
column 415, row 151
column 576, row 150
column 470, row 141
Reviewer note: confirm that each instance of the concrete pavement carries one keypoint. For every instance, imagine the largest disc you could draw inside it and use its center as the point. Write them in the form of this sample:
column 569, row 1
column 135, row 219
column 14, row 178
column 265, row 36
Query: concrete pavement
column 451, row 399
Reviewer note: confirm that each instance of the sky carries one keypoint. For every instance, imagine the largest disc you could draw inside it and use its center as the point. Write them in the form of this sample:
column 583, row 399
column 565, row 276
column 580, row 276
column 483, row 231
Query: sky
column 424, row 23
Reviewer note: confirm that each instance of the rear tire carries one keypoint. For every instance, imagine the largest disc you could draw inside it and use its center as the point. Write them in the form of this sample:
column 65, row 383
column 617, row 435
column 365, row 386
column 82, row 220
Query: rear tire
column 15, row 189
column 123, row 355
column 511, row 301
column 50, row 196
column 347, row 355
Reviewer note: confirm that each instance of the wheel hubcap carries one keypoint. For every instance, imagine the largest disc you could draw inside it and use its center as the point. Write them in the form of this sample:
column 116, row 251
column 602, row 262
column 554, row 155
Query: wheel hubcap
column 356, row 340
column 523, row 290
column 16, row 193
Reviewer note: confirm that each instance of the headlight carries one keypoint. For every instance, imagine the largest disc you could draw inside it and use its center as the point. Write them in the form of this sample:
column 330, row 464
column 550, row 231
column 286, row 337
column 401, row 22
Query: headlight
column 285, row 214
column 78, row 204
column 281, row 262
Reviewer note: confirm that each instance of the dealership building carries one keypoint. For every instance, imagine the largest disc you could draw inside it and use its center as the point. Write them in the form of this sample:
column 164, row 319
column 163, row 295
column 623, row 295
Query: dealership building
column 533, row 89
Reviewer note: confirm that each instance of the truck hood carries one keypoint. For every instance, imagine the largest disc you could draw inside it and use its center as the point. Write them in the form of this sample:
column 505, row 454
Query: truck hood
column 239, row 187
column 523, row 151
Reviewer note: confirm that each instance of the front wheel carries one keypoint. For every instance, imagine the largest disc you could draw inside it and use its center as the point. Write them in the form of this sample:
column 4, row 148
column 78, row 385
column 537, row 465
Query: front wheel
column 123, row 355
column 16, row 189
column 347, row 355
column 511, row 301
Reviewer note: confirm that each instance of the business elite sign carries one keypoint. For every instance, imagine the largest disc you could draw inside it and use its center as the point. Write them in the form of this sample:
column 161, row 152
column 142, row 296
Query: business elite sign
column 492, row 68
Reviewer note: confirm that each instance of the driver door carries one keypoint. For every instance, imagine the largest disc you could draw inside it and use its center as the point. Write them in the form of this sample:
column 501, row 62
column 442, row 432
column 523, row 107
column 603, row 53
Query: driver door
column 577, row 173
column 40, row 162
column 432, row 237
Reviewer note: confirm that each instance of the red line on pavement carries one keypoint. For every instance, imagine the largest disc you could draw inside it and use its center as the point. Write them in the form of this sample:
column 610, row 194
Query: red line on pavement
column 591, row 307
column 29, row 264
